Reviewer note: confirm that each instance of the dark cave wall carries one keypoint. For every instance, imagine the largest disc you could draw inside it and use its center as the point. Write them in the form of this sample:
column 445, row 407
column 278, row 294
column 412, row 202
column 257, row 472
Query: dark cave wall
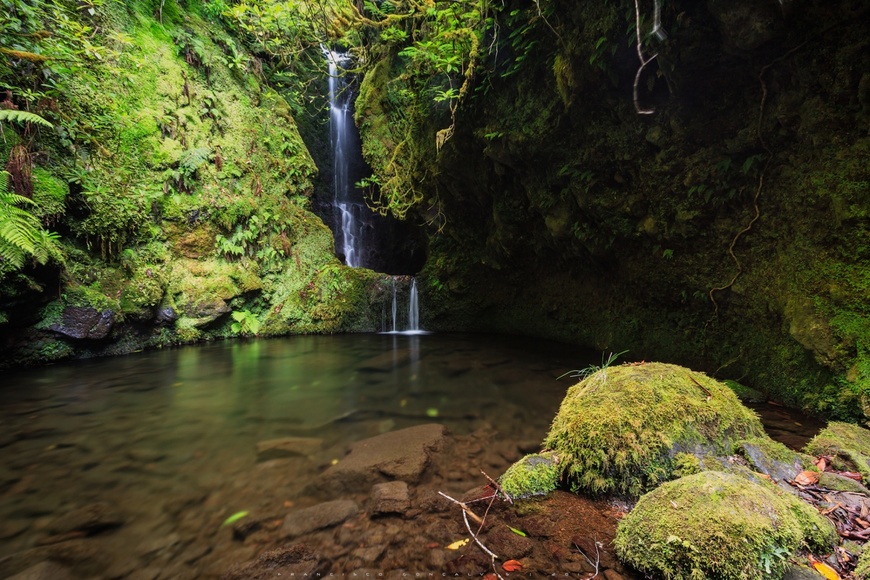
column 566, row 214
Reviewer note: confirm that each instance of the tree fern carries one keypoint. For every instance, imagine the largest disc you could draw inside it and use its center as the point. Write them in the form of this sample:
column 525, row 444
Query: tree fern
column 21, row 234
column 22, row 117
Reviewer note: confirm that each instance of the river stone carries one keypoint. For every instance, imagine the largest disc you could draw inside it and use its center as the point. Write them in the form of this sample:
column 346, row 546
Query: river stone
column 91, row 518
column 782, row 467
column 324, row 515
column 43, row 571
column 287, row 447
column 84, row 322
column 399, row 455
column 297, row 561
column 390, row 498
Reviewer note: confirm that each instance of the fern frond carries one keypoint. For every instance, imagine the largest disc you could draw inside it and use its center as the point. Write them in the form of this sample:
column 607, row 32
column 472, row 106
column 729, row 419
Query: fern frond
column 23, row 117
column 192, row 159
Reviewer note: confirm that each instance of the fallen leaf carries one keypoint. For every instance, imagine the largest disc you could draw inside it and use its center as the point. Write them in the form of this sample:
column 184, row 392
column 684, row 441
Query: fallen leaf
column 826, row 570
column 458, row 544
column 851, row 475
column 822, row 463
column 512, row 566
column 518, row 532
column 234, row 518
column 807, row 478
column 432, row 545
column 863, row 523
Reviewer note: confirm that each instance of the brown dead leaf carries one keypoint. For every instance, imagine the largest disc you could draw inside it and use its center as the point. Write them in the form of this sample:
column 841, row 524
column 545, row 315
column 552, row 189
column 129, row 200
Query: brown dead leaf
column 512, row 566
column 863, row 523
column 822, row 463
column 807, row 478
column 851, row 475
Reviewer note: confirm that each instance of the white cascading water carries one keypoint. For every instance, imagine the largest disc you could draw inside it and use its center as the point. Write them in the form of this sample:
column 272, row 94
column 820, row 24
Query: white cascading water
column 413, row 312
column 340, row 123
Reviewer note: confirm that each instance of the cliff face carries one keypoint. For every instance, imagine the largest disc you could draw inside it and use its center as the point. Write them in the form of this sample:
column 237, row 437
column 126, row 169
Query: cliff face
column 175, row 180
column 718, row 222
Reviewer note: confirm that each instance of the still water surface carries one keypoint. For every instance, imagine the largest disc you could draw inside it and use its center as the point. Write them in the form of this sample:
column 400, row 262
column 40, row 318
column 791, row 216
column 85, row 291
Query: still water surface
column 164, row 442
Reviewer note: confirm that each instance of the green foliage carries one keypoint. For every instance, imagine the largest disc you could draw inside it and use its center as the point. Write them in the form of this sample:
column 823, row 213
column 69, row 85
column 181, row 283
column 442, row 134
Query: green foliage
column 22, row 117
column 245, row 322
column 21, row 234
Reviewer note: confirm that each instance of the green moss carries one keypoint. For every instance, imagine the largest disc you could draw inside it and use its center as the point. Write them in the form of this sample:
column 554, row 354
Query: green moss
column 862, row 571
column 719, row 525
column 847, row 444
column 839, row 483
column 536, row 474
column 746, row 394
column 619, row 429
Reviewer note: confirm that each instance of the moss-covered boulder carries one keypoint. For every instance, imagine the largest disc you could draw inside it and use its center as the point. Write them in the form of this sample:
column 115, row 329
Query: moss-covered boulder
column 535, row 474
column 620, row 429
column 862, row 571
column 848, row 445
column 719, row 525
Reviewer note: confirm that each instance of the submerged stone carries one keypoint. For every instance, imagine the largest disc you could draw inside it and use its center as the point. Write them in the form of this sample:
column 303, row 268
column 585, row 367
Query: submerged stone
column 719, row 525
column 399, row 455
column 287, row 447
column 324, row 515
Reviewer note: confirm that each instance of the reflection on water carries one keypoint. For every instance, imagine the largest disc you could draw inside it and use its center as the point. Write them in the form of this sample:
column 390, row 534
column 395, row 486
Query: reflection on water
column 148, row 432
column 164, row 443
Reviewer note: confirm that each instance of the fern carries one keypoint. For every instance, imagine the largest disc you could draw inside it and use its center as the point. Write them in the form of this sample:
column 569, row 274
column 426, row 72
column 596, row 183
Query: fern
column 21, row 234
column 192, row 159
column 22, row 117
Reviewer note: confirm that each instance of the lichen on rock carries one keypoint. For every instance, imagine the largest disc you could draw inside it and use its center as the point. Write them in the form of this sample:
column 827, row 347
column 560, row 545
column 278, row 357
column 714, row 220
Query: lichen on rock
column 719, row 525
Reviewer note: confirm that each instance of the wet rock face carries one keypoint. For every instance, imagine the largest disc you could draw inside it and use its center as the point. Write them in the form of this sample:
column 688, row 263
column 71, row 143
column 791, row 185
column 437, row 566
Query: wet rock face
column 324, row 515
column 746, row 24
column 84, row 322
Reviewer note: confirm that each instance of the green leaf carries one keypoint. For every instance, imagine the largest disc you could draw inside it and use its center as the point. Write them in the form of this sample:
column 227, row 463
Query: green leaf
column 22, row 117
column 235, row 517
column 518, row 532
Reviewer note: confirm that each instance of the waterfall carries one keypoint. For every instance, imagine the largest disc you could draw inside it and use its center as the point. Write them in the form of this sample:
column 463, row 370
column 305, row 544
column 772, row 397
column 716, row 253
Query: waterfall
column 349, row 233
column 413, row 309
column 409, row 322
column 394, row 305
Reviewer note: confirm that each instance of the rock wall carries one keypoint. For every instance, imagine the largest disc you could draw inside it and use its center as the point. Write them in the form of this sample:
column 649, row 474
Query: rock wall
column 726, row 230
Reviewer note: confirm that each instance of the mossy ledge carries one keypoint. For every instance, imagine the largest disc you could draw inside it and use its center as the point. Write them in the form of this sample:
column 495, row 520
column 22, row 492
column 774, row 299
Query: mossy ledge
column 719, row 525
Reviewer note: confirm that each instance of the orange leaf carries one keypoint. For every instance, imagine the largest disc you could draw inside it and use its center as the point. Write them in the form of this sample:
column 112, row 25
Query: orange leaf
column 826, row 571
column 822, row 463
column 512, row 566
column 806, row 478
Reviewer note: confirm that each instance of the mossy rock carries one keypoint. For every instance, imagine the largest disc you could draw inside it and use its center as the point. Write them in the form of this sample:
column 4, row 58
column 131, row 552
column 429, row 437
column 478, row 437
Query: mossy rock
column 862, row 571
column 620, row 428
column 535, row 474
column 719, row 526
column 847, row 444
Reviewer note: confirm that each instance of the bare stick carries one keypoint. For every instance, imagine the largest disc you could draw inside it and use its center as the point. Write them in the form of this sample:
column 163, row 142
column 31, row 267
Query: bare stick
column 465, row 508
column 597, row 556
column 497, row 487
column 474, row 537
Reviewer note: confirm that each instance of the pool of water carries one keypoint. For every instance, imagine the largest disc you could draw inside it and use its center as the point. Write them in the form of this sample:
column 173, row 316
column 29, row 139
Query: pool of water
column 163, row 444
